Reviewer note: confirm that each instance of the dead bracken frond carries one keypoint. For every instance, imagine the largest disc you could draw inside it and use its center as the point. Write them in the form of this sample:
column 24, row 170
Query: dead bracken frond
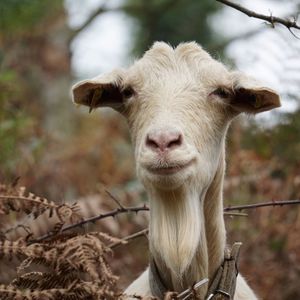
column 78, row 262
column 63, row 266
column 74, row 291
column 18, row 200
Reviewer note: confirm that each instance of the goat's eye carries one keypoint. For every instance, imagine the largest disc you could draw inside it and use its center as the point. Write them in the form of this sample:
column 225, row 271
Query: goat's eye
column 222, row 93
column 128, row 92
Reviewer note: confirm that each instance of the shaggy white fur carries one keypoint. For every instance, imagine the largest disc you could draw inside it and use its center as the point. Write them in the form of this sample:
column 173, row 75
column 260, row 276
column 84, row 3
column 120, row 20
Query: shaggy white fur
column 179, row 103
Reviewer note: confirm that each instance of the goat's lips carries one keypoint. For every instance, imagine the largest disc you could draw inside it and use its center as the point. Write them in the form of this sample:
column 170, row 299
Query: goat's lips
column 167, row 170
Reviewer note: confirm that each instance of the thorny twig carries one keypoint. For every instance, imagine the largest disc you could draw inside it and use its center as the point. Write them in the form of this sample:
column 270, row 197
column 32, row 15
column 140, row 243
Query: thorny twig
column 112, row 213
column 133, row 236
column 114, row 199
column 262, row 204
column 136, row 209
column 145, row 232
column 270, row 19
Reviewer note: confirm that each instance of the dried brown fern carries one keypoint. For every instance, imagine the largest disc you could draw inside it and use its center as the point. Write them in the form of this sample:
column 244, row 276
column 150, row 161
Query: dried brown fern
column 78, row 262
column 18, row 200
column 75, row 291
column 74, row 266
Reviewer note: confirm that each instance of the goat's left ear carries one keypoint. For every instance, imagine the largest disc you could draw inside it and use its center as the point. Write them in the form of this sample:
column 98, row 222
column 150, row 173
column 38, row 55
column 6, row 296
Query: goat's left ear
column 101, row 91
column 251, row 96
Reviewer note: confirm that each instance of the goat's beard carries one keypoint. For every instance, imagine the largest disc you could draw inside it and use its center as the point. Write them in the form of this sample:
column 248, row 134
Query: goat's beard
column 176, row 226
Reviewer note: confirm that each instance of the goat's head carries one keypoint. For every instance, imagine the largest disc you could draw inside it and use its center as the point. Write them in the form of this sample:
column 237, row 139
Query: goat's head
column 178, row 103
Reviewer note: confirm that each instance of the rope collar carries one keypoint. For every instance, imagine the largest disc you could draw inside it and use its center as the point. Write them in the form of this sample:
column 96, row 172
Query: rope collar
column 222, row 287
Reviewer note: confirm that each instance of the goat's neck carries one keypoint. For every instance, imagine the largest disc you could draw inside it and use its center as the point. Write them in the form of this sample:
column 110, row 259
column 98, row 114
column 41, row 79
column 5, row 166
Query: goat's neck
column 187, row 233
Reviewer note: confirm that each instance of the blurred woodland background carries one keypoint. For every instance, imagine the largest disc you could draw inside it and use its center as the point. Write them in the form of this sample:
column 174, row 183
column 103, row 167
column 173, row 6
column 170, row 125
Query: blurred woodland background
column 66, row 154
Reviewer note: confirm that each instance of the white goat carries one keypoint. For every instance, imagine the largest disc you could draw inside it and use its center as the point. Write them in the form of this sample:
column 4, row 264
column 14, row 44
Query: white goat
column 179, row 104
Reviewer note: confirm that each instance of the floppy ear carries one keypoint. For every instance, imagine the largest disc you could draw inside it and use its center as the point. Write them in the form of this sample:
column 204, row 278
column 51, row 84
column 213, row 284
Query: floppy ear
column 251, row 96
column 103, row 90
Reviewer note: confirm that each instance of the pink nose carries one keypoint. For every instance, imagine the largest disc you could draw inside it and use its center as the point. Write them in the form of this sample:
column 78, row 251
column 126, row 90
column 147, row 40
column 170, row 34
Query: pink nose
column 164, row 140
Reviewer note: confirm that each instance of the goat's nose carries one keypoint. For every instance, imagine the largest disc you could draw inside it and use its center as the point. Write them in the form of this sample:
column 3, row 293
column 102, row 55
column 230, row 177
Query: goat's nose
column 164, row 140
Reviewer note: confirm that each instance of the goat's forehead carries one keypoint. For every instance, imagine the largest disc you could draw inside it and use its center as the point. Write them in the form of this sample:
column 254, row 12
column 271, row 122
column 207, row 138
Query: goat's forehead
column 187, row 63
column 185, row 52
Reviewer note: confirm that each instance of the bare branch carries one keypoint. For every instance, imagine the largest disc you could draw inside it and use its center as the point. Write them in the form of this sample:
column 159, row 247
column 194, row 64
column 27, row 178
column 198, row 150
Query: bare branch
column 133, row 236
column 263, row 204
column 137, row 209
column 144, row 232
column 114, row 199
column 270, row 19
column 112, row 213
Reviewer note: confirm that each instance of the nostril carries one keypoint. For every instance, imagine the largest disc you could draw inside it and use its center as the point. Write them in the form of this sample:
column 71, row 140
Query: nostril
column 151, row 143
column 175, row 142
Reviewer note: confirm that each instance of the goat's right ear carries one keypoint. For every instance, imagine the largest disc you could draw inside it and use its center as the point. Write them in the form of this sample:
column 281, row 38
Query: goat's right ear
column 101, row 91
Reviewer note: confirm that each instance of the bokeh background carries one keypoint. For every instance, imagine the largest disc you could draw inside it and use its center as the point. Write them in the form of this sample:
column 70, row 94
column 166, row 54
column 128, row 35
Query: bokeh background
column 66, row 154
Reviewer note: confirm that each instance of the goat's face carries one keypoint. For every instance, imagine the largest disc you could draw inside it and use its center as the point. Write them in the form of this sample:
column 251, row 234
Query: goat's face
column 178, row 104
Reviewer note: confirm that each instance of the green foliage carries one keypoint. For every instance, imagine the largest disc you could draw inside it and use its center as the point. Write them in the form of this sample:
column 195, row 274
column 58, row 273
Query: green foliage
column 21, row 15
column 277, row 244
column 171, row 21
column 14, row 124
column 24, row 35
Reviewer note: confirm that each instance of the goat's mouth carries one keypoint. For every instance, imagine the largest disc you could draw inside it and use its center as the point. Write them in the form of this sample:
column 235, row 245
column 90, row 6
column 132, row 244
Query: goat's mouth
column 169, row 169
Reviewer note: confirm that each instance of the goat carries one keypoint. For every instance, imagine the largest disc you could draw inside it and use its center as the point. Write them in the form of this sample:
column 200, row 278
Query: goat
column 179, row 104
